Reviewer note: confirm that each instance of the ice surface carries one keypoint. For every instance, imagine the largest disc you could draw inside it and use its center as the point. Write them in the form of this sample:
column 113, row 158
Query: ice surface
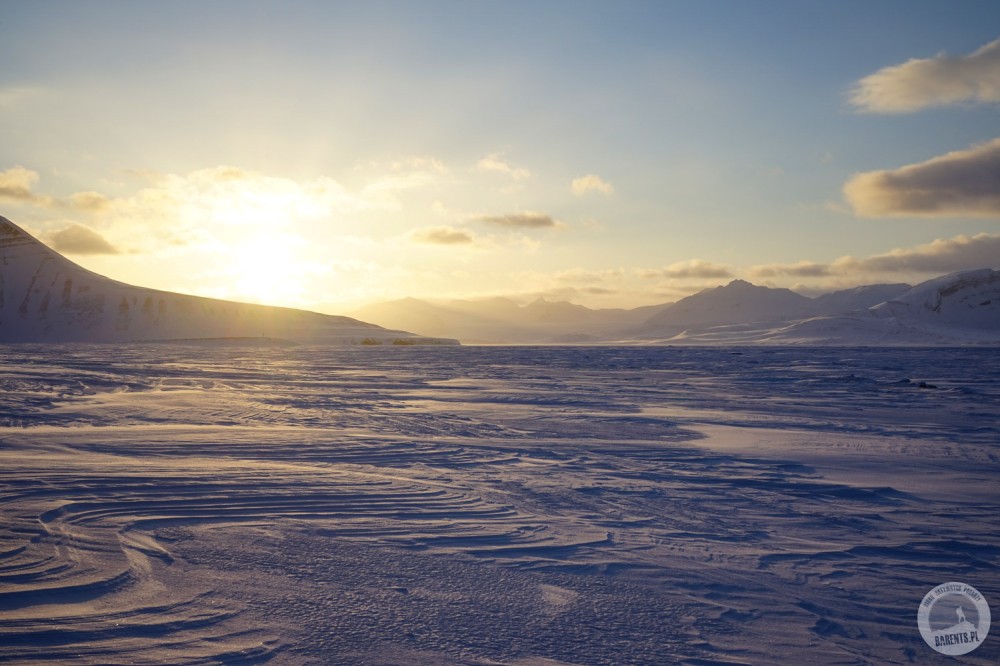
column 491, row 505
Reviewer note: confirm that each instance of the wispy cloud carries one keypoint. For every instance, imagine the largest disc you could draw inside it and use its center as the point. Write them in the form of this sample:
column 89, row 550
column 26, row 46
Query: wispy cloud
column 591, row 183
column 78, row 239
column 443, row 235
column 527, row 220
column 691, row 269
column 583, row 276
column 419, row 163
column 927, row 82
column 797, row 269
column 89, row 201
column 961, row 183
column 495, row 162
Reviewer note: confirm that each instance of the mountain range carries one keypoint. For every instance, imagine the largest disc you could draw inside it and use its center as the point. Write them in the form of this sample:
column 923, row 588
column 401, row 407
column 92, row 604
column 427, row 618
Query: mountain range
column 955, row 309
column 45, row 297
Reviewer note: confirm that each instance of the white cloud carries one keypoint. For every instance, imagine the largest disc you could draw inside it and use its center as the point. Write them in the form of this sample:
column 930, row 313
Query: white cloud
column 16, row 184
column 442, row 235
column 494, row 162
column 78, row 239
column 89, row 201
column 591, row 183
column 961, row 183
column 927, row 82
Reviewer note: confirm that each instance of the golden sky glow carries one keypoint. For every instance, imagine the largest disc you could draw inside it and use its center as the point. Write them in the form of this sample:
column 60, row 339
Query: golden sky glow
column 340, row 153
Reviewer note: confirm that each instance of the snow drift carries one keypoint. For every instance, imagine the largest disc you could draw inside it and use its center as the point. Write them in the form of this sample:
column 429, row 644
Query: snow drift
column 45, row 297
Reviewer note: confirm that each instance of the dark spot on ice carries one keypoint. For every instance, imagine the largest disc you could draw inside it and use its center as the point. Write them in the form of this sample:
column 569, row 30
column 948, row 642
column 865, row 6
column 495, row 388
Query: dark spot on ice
column 825, row 627
column 739, row 616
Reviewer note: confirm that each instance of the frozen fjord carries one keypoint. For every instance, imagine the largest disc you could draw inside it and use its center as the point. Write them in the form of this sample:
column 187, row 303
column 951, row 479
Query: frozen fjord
column 483, row 505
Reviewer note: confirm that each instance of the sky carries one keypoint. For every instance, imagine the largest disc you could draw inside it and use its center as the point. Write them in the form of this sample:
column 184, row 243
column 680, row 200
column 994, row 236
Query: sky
column 615, row 154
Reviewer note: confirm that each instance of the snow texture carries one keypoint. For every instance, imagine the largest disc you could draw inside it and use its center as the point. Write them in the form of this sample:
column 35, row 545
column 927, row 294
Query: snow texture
column 167, row 504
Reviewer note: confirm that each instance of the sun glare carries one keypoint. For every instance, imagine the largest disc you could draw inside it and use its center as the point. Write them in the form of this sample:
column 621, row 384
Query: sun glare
column 251, row 224
column 267, row 269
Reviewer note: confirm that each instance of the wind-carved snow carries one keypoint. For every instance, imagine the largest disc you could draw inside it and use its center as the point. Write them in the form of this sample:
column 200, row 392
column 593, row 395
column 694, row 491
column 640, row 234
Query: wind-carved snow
column 491, row 505
column 45, row 297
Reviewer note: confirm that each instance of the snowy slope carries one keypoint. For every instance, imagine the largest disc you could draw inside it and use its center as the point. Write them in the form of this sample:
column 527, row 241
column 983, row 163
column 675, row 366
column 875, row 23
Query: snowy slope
column 45, row 297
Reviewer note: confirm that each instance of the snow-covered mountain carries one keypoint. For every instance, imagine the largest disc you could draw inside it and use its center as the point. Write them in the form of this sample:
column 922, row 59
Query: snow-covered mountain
column 45, row 297
column 961, row 308
column 738, row 302
column 968, row 300
column 956, row 309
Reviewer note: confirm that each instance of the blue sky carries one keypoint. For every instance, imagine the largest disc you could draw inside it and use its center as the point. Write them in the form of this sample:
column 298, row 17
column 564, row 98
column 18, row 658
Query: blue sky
column 615, row 154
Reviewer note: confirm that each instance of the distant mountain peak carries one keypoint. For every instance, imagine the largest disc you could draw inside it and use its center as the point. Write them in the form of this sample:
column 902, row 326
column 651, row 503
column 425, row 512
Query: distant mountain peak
column 738, row 302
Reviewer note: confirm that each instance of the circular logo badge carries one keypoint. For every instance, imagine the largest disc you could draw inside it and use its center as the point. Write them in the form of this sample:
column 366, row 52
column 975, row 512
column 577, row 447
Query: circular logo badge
column 954, row 618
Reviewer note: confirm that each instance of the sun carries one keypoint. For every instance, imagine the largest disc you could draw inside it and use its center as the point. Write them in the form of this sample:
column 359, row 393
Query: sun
column 267, row 269
column 253, row 226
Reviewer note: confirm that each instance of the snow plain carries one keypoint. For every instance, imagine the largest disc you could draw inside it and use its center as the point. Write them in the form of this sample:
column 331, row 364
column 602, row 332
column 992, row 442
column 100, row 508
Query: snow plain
column 491, row 505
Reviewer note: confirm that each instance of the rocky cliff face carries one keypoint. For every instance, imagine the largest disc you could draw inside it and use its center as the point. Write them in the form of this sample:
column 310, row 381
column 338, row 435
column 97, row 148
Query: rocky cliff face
column 45, row 297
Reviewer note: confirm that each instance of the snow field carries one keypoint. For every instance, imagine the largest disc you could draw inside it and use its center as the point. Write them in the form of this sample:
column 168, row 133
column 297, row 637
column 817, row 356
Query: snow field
column 485, row 505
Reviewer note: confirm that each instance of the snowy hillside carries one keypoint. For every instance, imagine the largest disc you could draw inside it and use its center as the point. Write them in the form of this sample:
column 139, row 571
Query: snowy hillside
column 45, row 297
